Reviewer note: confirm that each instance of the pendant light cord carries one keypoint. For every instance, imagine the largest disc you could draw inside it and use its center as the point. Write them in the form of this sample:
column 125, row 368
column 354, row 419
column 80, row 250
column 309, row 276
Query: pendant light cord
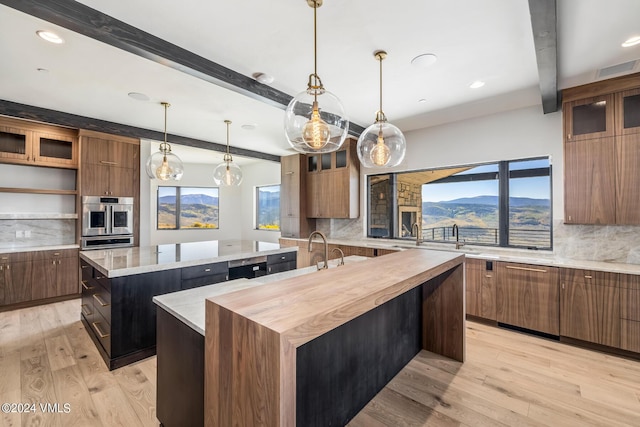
column 315, row 48
column 380, row 58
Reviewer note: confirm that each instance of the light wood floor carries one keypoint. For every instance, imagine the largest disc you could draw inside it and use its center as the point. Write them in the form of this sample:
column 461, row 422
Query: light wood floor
column 509, row 379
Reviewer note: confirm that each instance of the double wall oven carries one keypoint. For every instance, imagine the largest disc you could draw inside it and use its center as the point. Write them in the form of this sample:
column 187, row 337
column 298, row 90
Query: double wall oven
column 107, row 222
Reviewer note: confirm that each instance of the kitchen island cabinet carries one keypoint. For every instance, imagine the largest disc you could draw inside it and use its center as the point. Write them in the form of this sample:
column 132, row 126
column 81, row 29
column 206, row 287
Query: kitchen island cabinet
column 118, row 286
column 277, row 355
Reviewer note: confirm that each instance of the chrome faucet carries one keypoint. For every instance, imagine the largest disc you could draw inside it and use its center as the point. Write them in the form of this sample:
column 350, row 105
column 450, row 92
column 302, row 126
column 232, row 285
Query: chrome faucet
column 326, row 247
column 455, row 232
column 416, row 227
column 339, row 253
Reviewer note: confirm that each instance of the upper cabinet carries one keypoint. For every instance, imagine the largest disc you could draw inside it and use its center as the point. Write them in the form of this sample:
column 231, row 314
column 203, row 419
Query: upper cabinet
column 110, row 165
column 602, row 152
column 333, row 183
column 588, row 118
column 23, row 142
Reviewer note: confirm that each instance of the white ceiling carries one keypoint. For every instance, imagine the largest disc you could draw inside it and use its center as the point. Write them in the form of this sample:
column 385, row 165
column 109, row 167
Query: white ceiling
column 489, row 40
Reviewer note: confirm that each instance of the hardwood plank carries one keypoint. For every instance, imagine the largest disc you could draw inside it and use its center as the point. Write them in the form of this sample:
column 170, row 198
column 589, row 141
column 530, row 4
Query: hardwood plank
column 140, row 393
column 59, row 352
column 70, row 388
column 10, row 333
column 9, row 373
column 114, row 408
column 37, row 387
column 32, row 341
column 10, row 419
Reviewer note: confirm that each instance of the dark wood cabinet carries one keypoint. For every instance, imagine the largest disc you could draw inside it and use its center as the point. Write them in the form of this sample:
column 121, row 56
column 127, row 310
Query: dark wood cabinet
column 481, row 292
column 201, row 275
column 109, row 166
column 293, row 199
column 601, row 123
column 590, row 184
column 630, row 312
column 278, row 263
column 333, row 183
column 590, row 308
column 527, row 296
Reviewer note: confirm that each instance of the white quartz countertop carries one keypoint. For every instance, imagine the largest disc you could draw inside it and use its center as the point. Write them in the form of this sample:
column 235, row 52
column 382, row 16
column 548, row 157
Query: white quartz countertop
column 546, row 258
column 16, row 249
column 145, row 259
column 189, row 305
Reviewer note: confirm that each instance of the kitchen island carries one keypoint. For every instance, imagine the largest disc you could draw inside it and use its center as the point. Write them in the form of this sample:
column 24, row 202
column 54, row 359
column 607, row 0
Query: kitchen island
column 314, row 349
column 118, row 286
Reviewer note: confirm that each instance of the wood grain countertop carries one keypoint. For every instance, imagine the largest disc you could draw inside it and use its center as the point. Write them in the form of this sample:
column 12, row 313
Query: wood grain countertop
column 302, row 308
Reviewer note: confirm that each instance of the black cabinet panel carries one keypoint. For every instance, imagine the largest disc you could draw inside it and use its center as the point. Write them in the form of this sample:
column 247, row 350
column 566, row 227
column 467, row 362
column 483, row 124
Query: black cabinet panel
column 203, row 281
column 276, row 258
column 205, row 270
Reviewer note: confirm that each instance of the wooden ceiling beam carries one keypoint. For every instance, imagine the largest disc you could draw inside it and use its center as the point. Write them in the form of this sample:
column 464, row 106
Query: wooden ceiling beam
column 545, row 39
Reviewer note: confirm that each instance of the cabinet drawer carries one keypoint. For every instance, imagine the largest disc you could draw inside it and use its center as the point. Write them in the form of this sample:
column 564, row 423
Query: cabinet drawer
column 101, row 329
column 280, row 267
column 102, row 303
column 86, row 270
column 630, row 304
column 276, row 258
column 196, row 282
column 630, row 281
column 204, row 270
column 587, row 277
column 86, row 308
column 101, row 280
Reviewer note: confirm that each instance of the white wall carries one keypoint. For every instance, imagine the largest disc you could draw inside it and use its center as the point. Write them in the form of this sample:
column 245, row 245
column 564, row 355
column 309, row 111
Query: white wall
column 236, row 204
column 260, row 173
column 516, row 134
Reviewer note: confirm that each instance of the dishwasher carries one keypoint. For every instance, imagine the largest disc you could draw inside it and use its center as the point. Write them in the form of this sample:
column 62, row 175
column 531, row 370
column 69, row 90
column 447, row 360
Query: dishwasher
column 248, row 268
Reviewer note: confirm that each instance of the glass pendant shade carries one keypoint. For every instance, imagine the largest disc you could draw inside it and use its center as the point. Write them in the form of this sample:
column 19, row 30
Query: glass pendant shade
column 381, row 145
column 315, row 123
column 227, row 173
column 314, row 120
column 164, row 165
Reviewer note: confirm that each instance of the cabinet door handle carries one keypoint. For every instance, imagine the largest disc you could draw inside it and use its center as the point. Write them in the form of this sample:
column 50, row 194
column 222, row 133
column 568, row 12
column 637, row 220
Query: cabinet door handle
column 1, row 267
column 100, row 333
column 98, row 298
column 207, row 270
column 588, row 277
column 85, row 310
column 84, row 266
column 85, row 286
column 488, row 276
column 56, row 253
column 537, row 270
column 107, row 162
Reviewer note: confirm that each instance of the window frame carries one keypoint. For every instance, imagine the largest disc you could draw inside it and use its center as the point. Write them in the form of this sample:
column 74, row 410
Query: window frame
column 256, row 210
column 503, row 177
column 178, row 208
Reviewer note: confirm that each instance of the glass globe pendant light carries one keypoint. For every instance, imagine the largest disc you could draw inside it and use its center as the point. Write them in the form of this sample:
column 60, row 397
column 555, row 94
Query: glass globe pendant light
column 227, row 173
column 314, row 120
column 164, row 165
column 381, row 145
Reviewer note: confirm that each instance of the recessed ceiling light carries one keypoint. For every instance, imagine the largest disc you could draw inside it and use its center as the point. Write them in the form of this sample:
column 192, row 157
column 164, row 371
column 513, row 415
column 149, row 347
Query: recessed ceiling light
column 138, row 96
column 263, row 78
column 476, row 84
column 249, row 126
column 50, row 36
column 631, row 42
column 425, row 60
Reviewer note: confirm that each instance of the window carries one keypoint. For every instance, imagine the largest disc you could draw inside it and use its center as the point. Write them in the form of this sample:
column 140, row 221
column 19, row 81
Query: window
column 507, row 203
column 187, row 208
column 268, row 207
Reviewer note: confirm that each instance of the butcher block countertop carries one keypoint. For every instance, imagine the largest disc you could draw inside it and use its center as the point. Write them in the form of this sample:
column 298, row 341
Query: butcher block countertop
column 258, row 340
column 304, row 307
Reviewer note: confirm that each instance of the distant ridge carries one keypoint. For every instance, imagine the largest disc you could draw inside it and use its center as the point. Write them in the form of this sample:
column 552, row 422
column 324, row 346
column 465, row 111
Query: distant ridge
column 190, row 199
column 493, row 200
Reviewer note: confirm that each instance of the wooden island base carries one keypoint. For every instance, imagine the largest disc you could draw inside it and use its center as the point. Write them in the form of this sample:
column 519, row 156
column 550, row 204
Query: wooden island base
column 315, row 349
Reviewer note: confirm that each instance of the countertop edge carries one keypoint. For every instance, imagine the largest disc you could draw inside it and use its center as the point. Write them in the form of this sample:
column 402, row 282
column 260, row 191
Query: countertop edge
column 38, row 248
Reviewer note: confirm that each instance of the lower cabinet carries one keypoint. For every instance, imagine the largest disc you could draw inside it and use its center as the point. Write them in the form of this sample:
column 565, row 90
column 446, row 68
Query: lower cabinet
column 119, row 313
column 278, row 263
column 630, row 312
column 201, row 275
column 38, row 275
column 527, row 297
column 590, row 306
column 480, row 288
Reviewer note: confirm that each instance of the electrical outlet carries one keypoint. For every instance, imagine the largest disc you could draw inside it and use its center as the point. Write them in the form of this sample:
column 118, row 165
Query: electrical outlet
column 27, row 234
column 19, row 234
